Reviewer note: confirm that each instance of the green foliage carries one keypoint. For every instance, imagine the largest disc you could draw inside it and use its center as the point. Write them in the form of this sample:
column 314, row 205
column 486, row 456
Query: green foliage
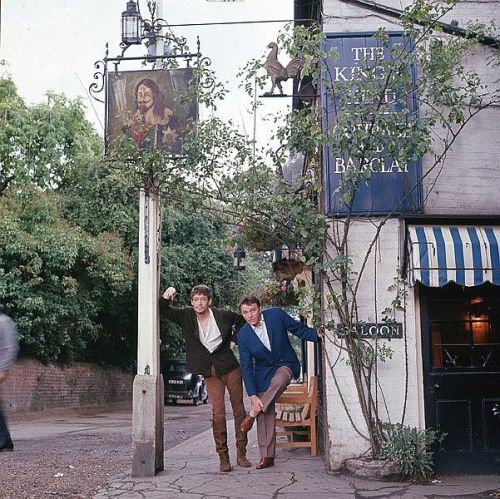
column 75, row 253
column 193, row 252
column 100, row 198
column 39, row 144
column 368, row 354
column 410, row 449
column 55, row 278
column 277, row 294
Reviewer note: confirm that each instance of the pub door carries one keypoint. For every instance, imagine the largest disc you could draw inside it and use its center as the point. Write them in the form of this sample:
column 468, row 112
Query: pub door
column 461, row 355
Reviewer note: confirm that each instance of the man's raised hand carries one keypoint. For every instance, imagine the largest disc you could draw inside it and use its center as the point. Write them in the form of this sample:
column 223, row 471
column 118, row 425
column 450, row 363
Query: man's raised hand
column 169, row 293
column 320, row 331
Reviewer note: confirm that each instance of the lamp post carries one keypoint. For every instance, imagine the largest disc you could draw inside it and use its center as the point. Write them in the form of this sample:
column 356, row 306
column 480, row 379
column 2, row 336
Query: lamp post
column 135, row 29
column 148, row 389
column 239, row 256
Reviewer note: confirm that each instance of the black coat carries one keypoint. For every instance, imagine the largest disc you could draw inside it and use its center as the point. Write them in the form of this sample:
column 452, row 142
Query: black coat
column 198, row 359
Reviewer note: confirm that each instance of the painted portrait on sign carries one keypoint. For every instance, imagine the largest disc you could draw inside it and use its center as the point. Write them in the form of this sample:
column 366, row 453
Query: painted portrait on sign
column 152, row 108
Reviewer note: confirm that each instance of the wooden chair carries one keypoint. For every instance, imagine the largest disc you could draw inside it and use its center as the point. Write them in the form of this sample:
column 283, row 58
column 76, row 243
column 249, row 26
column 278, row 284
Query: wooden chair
column 296, row 388
column 296, row 407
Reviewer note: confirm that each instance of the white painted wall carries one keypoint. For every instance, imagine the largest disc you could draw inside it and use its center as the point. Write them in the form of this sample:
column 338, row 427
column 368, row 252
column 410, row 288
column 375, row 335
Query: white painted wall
column 341, row 17
column 373, row 298
column 469, row 181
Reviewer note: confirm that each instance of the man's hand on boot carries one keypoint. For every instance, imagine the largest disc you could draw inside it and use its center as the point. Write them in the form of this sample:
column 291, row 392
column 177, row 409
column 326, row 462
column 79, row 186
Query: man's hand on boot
column 256, row 405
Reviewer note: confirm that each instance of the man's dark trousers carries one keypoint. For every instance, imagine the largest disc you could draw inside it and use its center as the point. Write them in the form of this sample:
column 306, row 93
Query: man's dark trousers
column 5, row 440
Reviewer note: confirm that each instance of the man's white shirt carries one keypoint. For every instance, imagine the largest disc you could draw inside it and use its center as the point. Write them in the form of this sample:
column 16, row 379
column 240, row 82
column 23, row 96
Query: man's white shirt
column 210, row 337
column 261, row 332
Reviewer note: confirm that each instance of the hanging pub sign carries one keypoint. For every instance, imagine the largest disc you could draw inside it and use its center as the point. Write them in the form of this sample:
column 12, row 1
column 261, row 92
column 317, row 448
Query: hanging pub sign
column 392, row 187
column 152, row 108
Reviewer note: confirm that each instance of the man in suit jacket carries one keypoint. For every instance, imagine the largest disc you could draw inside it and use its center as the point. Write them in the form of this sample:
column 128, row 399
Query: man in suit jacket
column 208, row 333
column 268, row 364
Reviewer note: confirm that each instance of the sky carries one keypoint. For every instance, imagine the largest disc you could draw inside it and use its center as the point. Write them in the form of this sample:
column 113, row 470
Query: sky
column 53, row 44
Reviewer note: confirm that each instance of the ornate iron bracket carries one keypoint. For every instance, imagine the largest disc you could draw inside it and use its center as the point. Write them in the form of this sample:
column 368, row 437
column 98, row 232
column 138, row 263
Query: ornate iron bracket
column 179, row 52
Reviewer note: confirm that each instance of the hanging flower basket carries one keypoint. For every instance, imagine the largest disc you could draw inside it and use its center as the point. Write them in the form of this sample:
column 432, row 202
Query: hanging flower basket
column 259, row 237
column 277, row 294
column 287, row 269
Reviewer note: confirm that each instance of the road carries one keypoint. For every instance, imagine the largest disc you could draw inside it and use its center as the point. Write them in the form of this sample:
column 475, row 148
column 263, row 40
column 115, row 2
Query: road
column 73, row 455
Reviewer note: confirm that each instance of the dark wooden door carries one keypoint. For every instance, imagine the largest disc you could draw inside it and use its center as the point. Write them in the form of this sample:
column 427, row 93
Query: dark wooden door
column 461, row 344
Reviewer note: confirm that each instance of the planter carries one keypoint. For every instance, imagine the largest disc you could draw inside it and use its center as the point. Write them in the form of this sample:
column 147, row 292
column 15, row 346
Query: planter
column 287, row 269
column 273, row 295
column 258, row 237
column 372, row 468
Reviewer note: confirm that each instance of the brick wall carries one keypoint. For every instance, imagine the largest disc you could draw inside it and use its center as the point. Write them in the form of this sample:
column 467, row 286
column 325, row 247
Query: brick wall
column 32, row 387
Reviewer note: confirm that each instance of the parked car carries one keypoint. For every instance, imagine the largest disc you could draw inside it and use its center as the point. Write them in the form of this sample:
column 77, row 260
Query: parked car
column 182, row 385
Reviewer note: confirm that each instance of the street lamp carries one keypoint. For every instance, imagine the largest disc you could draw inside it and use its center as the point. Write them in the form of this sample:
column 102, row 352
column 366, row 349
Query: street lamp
column 136, row 30
column 239, row 256
column 131, row 24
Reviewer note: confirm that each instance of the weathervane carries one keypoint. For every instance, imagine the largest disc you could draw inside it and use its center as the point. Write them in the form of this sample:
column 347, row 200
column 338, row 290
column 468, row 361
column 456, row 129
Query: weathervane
column 277, row 72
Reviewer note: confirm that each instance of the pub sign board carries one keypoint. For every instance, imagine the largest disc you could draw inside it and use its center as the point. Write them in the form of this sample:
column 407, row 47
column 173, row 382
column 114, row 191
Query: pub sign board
column 369, row 330
column 154, row 108
column 393, row 188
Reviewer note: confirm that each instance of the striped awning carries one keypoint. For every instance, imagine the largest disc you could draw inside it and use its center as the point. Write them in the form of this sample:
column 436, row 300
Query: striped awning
column 467, row 255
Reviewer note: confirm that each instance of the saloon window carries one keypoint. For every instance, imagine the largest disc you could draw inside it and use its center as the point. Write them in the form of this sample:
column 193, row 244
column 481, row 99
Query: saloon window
column 465, row 327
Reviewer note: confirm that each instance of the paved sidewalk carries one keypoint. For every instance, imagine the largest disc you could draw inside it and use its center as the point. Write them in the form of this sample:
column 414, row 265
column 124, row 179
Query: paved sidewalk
column 191, row 471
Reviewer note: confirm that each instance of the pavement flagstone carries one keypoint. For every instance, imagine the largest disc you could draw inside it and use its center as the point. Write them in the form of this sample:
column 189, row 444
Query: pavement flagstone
column 191, row 471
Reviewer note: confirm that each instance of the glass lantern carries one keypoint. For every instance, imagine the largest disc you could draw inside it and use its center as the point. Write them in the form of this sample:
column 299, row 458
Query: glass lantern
column 131, row 24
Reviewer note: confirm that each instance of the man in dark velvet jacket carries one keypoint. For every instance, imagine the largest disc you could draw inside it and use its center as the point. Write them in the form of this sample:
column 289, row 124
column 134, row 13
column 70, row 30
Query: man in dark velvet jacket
column 208, row 333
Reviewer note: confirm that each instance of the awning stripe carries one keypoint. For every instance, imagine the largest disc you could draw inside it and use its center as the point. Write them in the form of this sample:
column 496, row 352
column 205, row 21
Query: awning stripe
column 424, row 256
column 459, row 255
column 494, row 253
column 477, row 264
column 467, row 255
column 441, row 256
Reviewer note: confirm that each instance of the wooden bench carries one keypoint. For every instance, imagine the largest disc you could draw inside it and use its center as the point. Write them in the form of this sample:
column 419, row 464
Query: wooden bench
column 296, row 407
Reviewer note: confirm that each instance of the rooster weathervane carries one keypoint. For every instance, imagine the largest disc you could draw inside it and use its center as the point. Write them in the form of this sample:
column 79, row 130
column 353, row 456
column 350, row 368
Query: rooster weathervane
column 277, row 72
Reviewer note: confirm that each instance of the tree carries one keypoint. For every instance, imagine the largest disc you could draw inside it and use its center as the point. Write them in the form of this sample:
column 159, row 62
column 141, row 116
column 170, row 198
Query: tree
column 54, row 276
column 52, row 147
column 71, row 226
column 41, row 144
column 100, row 199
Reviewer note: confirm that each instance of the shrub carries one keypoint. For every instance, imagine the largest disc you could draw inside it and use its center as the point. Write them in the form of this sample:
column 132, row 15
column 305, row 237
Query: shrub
column 410, row 449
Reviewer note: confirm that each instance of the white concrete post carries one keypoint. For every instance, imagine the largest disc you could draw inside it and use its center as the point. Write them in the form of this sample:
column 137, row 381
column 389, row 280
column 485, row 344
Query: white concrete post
column 147, row 415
